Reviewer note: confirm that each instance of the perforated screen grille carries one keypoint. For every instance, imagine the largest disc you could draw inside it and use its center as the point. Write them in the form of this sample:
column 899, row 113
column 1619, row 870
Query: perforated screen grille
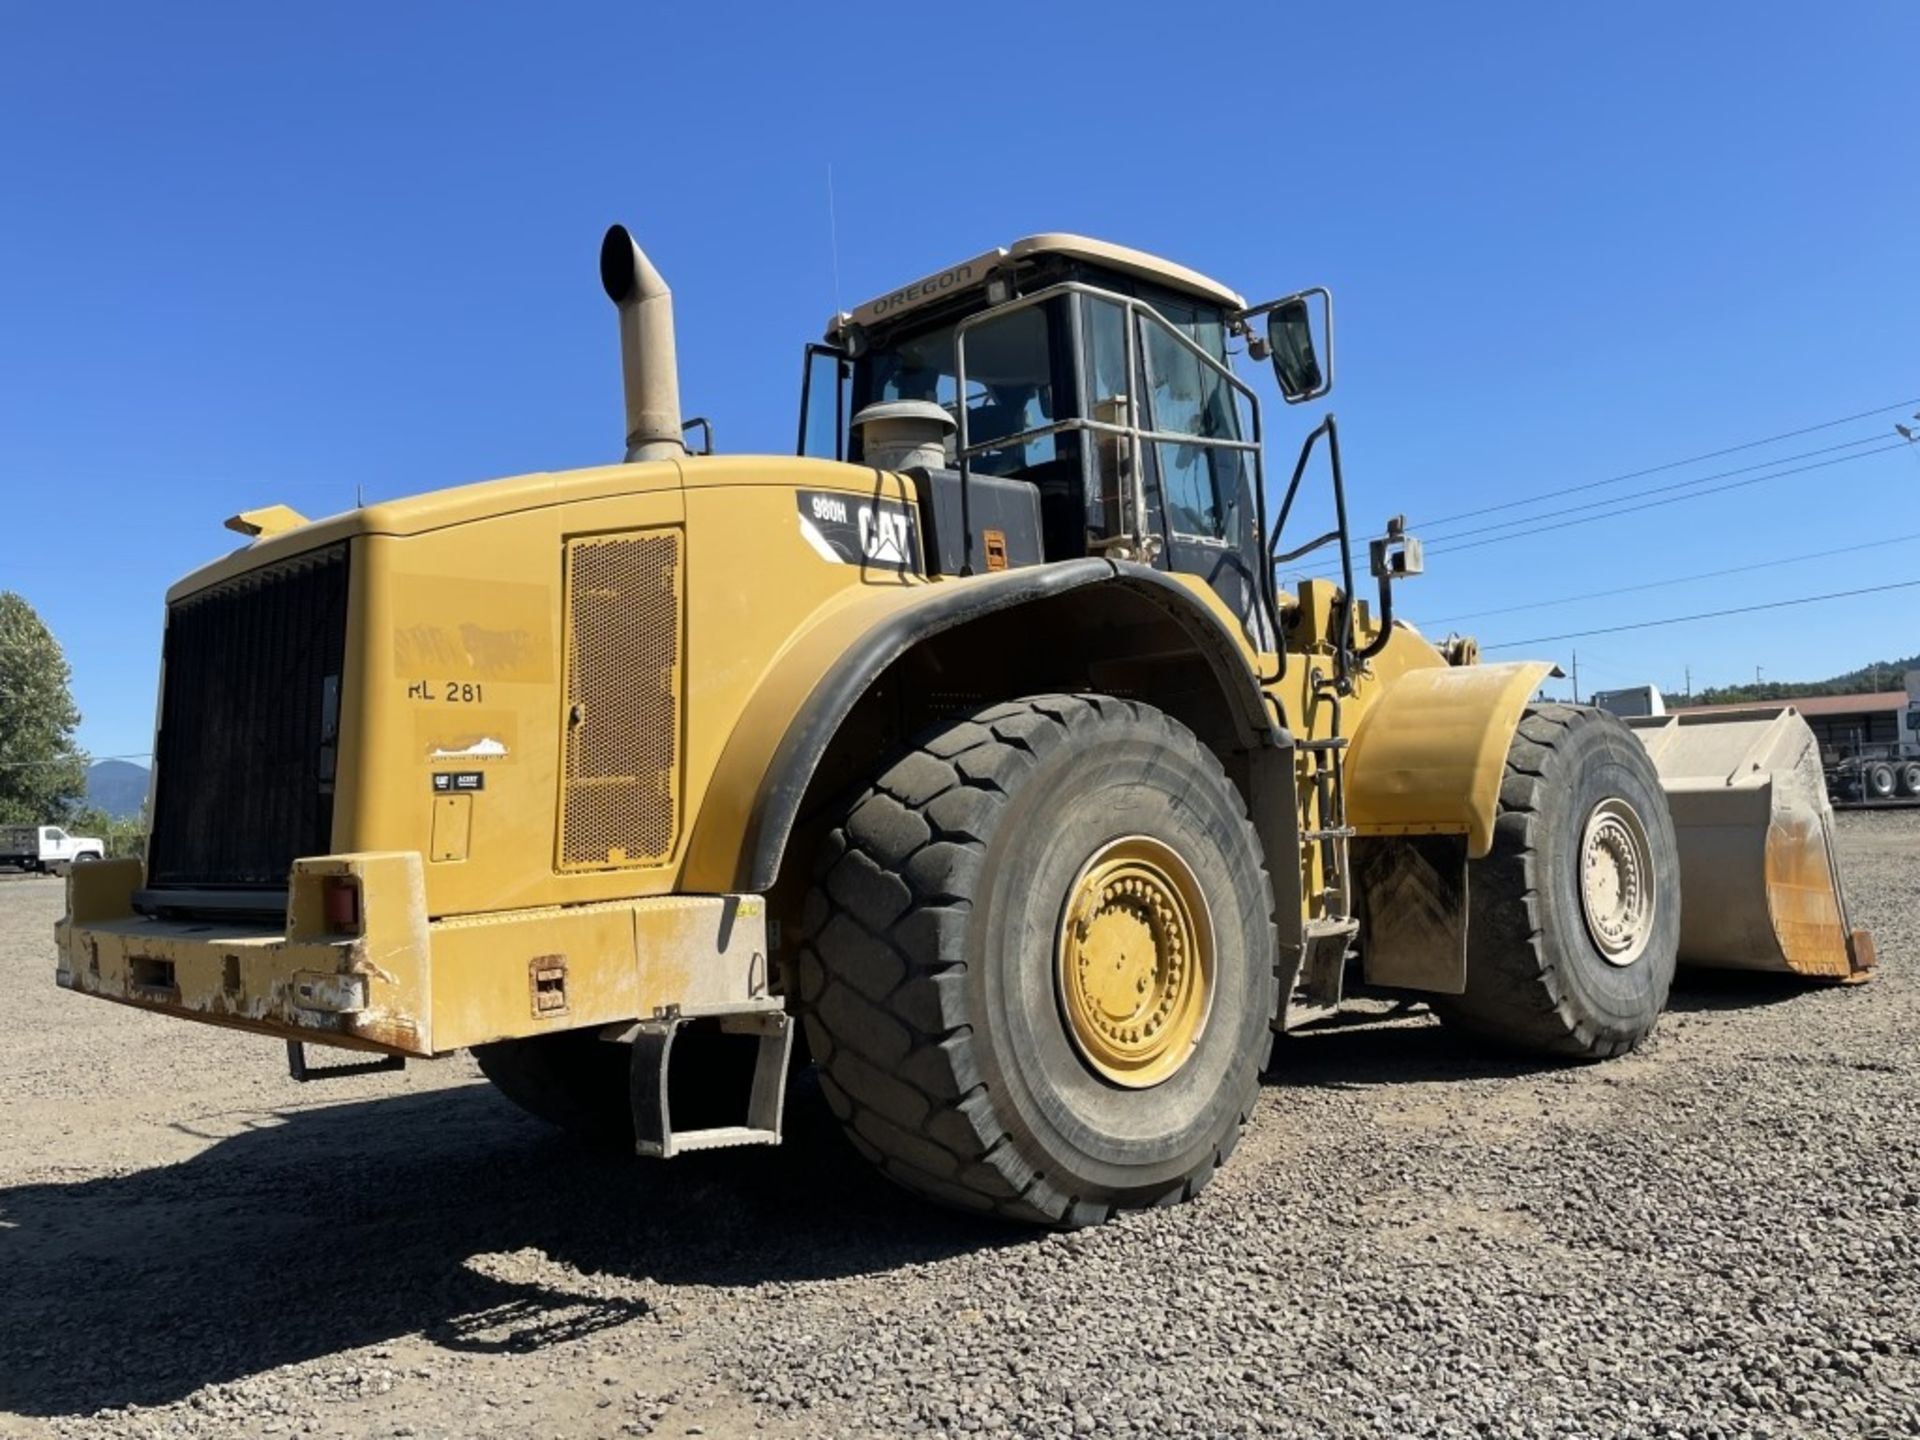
column 621, row 790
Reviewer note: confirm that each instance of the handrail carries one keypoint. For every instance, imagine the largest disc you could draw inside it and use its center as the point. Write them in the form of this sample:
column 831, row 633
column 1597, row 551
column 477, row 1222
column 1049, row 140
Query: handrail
column 1107, row 427
column 1343, row 651
column 1307, row 549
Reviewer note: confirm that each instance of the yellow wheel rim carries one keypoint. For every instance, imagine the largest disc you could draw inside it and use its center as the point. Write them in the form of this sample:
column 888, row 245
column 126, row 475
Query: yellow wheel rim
column 1136, row 962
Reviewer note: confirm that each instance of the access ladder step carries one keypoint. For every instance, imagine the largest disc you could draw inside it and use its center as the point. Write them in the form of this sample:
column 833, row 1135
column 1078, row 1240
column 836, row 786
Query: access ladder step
column 720, row 1137
column 1323, row 966
column 653, row 1132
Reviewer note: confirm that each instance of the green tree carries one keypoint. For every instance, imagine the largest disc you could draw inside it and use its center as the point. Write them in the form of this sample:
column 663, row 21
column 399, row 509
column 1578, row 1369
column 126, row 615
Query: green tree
column 1881, row 675
column 43, row 775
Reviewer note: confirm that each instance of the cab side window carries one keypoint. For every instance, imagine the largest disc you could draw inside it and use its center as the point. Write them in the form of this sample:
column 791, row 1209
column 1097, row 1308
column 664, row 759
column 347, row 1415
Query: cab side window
column 1009, row 386
column 1010, row 391
column 824, row 404
column 1201, row 485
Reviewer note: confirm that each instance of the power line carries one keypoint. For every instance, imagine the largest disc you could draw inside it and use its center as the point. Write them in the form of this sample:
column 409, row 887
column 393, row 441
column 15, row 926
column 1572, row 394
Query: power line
column 1614, row 590
column 1669, row 488
column 1670, row 465
column 1668, row 500
column 1528, row 525
column 1702, row 615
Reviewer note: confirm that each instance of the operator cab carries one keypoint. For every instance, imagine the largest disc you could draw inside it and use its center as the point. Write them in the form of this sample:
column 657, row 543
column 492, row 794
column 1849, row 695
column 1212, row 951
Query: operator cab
column 1088, row 407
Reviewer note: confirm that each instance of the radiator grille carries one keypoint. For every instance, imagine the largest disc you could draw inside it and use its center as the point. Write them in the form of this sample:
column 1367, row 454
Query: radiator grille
column 621, row 791
column 249, row 723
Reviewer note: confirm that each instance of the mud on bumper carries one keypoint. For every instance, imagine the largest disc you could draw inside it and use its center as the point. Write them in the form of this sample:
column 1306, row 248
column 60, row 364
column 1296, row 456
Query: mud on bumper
column 400, row 982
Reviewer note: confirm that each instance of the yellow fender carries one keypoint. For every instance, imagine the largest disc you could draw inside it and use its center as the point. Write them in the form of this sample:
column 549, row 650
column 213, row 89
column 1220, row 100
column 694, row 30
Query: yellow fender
column 1428, row 755
column 739, row 839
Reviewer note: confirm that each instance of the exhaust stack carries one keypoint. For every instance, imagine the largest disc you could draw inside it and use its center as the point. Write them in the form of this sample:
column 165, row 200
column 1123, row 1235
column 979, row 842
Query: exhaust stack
column 647, row 362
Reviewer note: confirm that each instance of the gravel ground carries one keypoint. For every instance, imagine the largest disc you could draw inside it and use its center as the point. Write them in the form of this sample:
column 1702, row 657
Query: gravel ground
column 1716, row 1236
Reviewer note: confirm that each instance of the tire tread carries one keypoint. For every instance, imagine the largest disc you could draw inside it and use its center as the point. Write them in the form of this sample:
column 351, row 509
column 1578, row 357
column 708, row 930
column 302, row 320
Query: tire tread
column 924, row 822
column 1520, row 999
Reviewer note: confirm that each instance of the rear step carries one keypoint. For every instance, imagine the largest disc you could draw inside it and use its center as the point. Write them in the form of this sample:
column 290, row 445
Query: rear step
column 300, row 1070
column 653, row 1132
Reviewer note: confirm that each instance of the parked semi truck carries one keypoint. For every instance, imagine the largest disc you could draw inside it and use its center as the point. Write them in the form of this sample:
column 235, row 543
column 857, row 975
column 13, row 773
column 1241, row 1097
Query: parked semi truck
column 979, row 740
column 1884, row 770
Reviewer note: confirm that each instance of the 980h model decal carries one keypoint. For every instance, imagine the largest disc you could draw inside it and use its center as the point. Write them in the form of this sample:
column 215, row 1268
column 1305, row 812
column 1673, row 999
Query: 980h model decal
column 859, row 530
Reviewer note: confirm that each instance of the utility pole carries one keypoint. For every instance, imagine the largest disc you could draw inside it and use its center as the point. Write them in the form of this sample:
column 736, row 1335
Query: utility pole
column 1689, row 684
column 1576, row 677
column 1756, row 674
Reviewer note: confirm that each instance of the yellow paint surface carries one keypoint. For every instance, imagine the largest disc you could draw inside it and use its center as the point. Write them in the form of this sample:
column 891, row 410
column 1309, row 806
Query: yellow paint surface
column 456, row 661
column 1428, row 757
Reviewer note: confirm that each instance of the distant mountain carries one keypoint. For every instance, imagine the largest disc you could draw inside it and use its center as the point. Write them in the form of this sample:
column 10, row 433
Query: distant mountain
column 118, row 787
column 1868, row 679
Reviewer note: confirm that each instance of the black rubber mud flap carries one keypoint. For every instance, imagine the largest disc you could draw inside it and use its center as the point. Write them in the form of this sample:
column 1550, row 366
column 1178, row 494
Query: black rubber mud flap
column 1413, row 897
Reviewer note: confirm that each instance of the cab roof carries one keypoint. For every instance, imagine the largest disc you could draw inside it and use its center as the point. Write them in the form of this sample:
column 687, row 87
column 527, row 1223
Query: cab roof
column 976, row 271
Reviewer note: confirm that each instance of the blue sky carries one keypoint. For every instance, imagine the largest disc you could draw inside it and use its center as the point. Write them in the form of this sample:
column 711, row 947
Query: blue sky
column 263, row 253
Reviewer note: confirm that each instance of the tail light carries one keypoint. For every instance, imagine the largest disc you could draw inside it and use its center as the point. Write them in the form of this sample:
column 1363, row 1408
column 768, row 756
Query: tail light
column 340, row 903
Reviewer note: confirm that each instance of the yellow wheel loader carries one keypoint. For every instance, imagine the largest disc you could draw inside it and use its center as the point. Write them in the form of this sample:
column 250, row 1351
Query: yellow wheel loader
column 977, row 737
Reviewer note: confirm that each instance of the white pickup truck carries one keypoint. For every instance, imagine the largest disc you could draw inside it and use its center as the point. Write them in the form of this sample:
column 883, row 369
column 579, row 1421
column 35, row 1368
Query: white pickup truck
column 46, row 848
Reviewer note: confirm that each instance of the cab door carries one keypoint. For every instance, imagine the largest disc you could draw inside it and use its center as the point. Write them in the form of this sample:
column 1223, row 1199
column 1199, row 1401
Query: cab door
column 1202, row 470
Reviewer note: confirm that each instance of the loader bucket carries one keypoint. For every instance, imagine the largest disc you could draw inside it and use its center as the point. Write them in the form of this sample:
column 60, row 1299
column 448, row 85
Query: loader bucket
column 1759, row 886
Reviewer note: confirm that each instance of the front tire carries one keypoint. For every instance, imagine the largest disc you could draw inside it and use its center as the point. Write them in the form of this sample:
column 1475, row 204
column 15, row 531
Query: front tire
column 1038, row 965
column 1573, row 926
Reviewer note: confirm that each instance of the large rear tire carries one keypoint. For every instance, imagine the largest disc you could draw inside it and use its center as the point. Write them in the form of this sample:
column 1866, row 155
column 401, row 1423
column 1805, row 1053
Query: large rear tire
column 1878, row 779
column 574, row 1081
column 1038, row 962
column 1574, row 915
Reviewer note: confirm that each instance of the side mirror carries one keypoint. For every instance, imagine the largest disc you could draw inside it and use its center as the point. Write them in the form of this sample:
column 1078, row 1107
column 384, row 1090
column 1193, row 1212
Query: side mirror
column 1289, row 342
